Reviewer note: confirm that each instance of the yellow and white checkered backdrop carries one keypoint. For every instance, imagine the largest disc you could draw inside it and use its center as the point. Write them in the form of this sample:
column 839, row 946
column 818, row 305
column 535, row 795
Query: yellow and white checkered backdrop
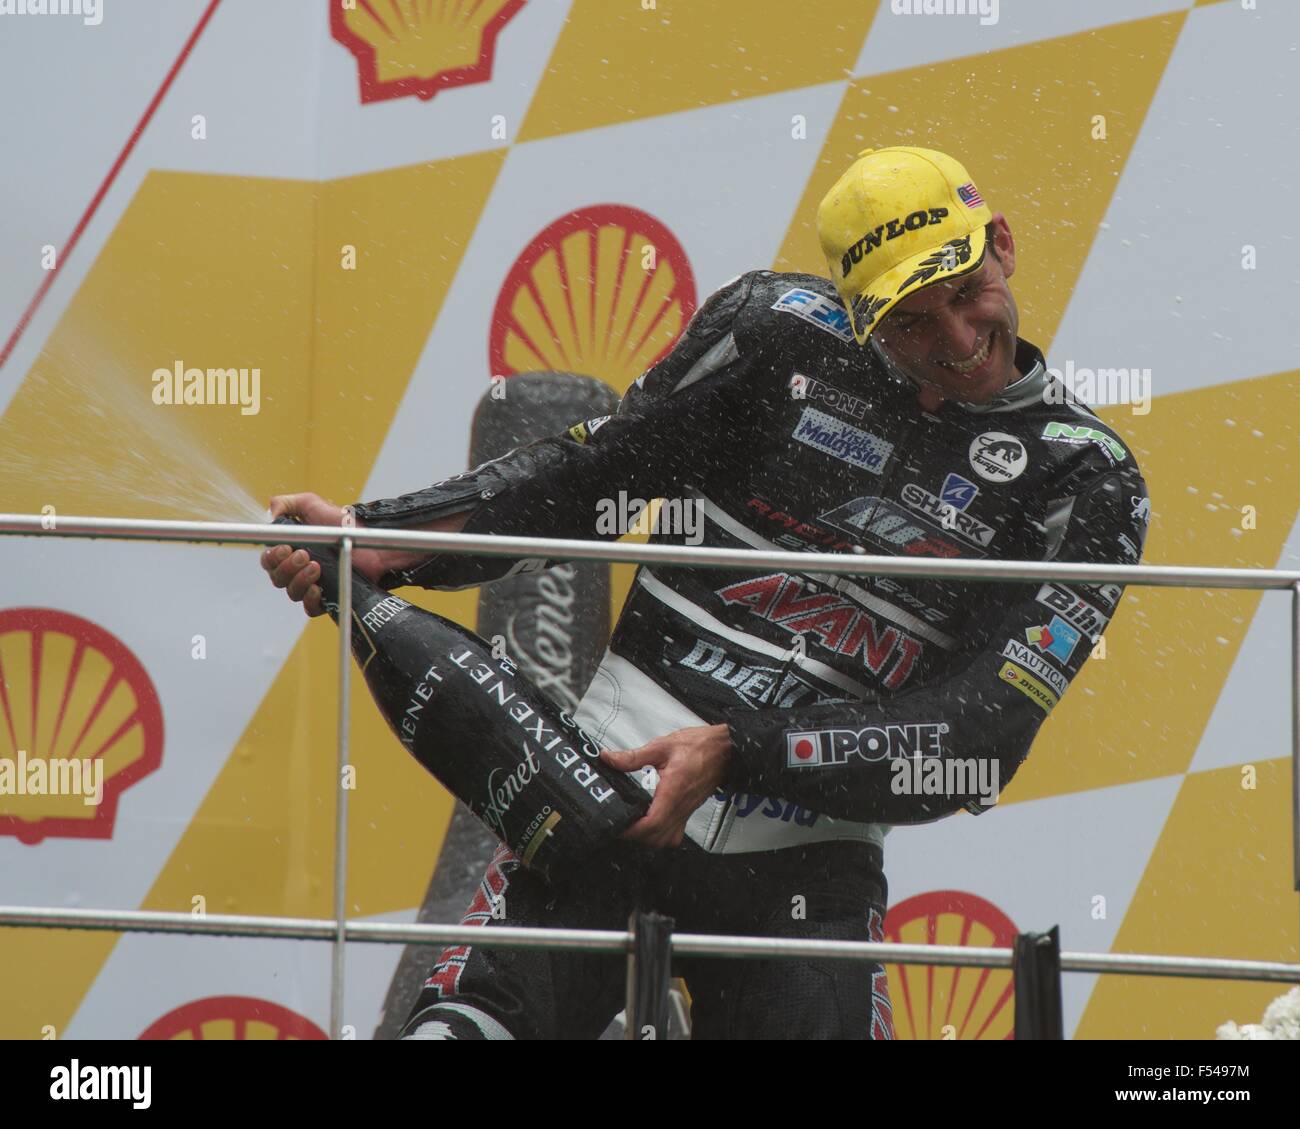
column 382, row 204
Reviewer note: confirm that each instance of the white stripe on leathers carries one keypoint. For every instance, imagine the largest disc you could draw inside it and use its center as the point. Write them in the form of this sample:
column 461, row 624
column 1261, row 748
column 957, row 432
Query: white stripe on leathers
column 625, row 708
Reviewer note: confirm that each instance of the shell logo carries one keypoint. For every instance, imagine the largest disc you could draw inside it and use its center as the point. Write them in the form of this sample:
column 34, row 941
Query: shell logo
column 979, row 1003
column 419, row 47
column 80, row 722
column 604, row 291
column 232, row 1017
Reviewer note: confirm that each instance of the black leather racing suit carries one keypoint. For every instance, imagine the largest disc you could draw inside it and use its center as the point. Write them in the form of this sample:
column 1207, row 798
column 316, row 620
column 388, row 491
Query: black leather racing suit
column 786, row 434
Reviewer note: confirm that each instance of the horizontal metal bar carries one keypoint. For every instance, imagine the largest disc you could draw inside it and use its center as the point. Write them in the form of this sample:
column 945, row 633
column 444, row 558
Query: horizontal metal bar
column 1159, row 576
column 308, row 929
column 1211, row 968
column 1217, row 968
column 618, row 941
column 722, row 945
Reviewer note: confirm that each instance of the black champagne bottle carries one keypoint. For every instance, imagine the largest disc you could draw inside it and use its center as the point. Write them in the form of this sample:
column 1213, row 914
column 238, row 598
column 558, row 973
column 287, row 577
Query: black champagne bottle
column 520, row 763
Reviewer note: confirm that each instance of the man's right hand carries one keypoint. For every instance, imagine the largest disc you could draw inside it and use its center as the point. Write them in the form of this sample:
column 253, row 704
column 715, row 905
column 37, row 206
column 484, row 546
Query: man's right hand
column 295, row 571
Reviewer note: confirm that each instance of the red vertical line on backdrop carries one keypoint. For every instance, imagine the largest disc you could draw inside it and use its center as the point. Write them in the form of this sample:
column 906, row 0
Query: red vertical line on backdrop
column 657, row 320
column 38, row 653
column 546, row 318
column 985, row 974
column 567, row 290
column 82, row 224
column 624, row 253
column 105, row 692
column 630, row 348
column 68, row 683
column 9, row 713
column 593, row 265
column 931, row 938
column 998, row 1005
column 132, row 720
column 370, row 11
column 904, row 979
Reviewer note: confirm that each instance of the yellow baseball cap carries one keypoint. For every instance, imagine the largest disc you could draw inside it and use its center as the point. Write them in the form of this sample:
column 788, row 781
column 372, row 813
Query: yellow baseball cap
column 899, row 219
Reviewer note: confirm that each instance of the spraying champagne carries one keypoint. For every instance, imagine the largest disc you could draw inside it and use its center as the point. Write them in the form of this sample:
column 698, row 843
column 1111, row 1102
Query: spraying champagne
column 522, row 765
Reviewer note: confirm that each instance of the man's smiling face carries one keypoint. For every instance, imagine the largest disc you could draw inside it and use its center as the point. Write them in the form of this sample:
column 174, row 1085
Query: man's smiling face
column 957, row 339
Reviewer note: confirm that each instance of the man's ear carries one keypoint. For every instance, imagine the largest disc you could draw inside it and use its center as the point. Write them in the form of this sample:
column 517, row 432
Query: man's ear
column 1004, row 243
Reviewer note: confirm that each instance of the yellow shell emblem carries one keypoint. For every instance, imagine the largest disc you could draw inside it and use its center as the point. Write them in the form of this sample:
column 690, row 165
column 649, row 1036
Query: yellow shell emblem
column 603, row 291
column 939, row 1002
column 232, row 1017
column 80, row 722
column 418, row 47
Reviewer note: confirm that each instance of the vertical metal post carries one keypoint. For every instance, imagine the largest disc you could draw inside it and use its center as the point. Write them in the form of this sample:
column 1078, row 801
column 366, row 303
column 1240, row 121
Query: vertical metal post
column 341, row 795
column 1295, row 736
column 649, row 961
column 1036, row 973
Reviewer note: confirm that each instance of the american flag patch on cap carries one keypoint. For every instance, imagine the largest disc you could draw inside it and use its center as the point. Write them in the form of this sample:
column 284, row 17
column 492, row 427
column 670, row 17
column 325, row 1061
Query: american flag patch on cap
column 970, row 195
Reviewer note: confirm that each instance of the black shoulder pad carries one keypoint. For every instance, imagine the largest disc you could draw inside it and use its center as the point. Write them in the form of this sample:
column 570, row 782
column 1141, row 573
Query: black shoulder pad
column 720, row 308
column 707, row 345
column 798, row 306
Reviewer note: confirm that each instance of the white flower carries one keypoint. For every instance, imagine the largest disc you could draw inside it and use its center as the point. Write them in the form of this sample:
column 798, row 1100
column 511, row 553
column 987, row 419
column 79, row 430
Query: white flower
column 1281, row 1021
column 1283, row 1016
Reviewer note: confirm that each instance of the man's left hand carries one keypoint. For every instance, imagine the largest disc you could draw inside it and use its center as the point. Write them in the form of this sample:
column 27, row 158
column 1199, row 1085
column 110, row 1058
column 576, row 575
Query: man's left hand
column 691, row 765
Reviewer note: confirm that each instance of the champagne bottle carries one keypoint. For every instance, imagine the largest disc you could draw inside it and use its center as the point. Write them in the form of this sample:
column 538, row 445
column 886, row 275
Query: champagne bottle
column 520, row 763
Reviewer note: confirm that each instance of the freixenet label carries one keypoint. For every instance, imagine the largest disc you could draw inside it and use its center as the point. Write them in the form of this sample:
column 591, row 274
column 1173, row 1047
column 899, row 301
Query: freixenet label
column 504, row 787
column 482, row 729
column 385, row 610
column 409, row 722
column 550, row 664
column 535, row 728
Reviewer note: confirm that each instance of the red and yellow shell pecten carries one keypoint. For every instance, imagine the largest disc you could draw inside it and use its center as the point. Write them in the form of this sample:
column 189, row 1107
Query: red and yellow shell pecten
column 80, row 721
column 418, row 47
column 232, row 1017
column 938, row 1002
column 603, row 291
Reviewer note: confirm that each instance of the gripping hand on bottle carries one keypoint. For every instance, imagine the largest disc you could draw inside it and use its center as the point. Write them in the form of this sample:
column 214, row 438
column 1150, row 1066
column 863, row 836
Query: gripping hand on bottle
column 293, row 569
column 691, row 763
column 296, row 571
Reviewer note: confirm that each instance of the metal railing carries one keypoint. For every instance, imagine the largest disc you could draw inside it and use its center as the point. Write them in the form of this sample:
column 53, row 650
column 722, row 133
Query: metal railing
column 340, row 930
column 619, row 941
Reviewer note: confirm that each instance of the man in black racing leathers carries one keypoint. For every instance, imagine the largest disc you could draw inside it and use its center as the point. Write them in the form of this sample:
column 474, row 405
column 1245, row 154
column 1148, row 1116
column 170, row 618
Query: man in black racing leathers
column 787, row 719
